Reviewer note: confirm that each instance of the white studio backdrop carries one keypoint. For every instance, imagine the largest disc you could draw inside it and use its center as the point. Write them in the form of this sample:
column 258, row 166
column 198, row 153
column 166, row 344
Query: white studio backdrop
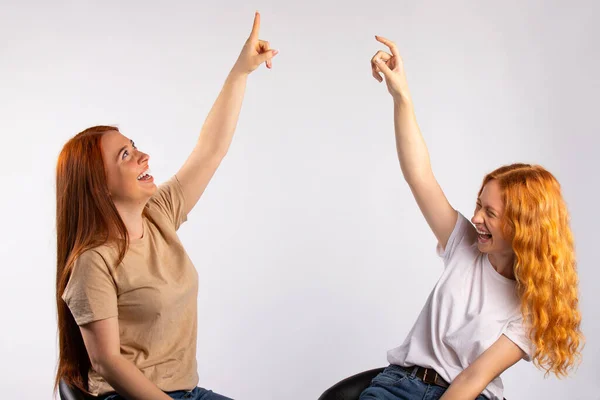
column 313, row 257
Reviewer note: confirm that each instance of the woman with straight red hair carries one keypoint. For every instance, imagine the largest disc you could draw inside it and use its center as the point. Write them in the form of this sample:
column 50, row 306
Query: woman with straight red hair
column 126, row 290
column 509, row 286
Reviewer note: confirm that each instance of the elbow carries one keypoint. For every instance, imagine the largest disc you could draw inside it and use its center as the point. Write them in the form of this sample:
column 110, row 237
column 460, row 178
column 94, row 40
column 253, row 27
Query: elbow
column 214, row 155
column 218, row 152
column 102, row 365
column 98, row 366
column 416, row 177
column 471, row 383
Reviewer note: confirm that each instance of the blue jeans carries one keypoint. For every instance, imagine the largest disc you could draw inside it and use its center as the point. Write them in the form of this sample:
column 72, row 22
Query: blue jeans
column 394, row 383
column 197, row 393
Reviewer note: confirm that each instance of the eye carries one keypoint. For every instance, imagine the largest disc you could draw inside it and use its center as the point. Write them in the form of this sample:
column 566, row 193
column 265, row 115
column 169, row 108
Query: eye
column 125, row 154
column 490, row 214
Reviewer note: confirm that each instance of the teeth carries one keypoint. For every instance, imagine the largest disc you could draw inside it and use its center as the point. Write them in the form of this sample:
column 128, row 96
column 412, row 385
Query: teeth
column 146, row 172
column 482, row 233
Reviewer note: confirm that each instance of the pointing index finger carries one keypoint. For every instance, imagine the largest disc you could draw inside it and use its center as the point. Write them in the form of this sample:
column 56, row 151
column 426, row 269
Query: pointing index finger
column 390, row 44
column 255, row 26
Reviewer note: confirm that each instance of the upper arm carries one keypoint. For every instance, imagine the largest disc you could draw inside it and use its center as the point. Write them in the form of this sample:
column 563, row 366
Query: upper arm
column 101, row 339
column 439, row 214
column 492, row 362
column 195, row 174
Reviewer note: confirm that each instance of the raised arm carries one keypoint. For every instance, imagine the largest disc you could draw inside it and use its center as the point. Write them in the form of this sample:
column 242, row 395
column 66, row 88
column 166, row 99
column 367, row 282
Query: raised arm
column 219, row 127
column 412, row 151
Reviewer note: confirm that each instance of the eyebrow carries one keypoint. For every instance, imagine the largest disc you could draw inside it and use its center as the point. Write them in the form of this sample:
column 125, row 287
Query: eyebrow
column 488, row 207
column 123, row 148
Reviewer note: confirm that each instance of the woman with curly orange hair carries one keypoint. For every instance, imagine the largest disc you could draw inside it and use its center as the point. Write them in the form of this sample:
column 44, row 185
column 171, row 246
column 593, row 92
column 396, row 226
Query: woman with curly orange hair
column 509, row 287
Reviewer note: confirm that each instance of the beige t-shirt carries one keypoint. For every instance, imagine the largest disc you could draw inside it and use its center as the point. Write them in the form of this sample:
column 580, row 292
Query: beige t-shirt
column 153, row 292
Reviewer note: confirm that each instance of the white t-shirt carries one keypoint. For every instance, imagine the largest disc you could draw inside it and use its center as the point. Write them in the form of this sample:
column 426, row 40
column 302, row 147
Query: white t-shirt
column 469, row 308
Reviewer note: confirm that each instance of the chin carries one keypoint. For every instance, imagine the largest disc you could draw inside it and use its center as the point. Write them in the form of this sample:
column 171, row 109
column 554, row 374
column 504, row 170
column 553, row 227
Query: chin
column 483, row 248
column 150, row 191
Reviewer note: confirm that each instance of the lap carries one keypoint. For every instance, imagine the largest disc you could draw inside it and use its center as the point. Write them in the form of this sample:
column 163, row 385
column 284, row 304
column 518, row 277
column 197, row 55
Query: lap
column 197, row 393
column 395, row 383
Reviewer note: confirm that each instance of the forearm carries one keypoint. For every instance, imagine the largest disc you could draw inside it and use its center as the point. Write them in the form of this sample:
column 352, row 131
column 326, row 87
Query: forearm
column 464, row 387
column 128, row 380
column 219, row 127
column 411, row 147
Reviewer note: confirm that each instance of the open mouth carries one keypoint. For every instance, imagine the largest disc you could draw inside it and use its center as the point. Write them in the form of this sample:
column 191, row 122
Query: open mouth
column 483, row 236
column 145, row 176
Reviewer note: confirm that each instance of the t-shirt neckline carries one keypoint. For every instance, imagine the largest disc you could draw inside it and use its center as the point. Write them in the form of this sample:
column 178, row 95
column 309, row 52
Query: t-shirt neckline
column 495, row 273
column 144, row 233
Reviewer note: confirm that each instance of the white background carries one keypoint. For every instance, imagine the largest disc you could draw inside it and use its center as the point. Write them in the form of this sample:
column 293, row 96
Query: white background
column 312, row 254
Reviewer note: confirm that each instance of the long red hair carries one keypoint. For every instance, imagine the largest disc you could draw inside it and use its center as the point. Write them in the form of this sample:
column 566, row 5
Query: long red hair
column 85, row 218
column 536, row 219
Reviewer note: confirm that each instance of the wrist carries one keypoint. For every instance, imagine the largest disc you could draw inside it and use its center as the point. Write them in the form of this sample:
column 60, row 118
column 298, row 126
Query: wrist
column 237, row 73
column 403, row 99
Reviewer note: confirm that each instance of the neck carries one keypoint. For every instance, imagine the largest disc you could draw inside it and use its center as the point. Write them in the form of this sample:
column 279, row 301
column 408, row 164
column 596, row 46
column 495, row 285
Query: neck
column 503, row 264
column 132, row 218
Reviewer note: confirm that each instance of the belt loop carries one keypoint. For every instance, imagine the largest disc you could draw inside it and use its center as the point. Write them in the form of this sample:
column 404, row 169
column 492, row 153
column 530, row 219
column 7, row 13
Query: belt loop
column 415, row 369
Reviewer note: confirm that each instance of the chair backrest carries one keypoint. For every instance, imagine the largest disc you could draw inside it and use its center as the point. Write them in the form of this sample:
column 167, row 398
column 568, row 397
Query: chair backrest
column 72, row 393
column 351, row 388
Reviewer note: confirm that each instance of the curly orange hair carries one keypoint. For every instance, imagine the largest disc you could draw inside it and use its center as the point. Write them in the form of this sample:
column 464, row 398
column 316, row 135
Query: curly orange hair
column 537, row 220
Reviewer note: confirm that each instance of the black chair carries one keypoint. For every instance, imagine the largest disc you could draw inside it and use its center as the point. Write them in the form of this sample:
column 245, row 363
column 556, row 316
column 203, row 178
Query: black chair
column 351, row 388
column 72, row 393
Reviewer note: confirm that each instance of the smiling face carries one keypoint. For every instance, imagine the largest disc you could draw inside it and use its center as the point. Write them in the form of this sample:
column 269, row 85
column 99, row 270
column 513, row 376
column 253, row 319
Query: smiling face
column 127, row 172
column 488, row 221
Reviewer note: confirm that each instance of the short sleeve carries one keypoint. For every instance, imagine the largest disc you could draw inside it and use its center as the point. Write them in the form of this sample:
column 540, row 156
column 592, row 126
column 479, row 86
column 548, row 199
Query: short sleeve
column 169, row 201
column 463, row 235
column 516, row 332
column 91, row 293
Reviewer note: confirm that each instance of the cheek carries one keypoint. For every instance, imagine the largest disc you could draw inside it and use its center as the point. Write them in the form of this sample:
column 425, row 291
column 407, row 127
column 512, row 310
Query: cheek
column 119, row 178
column 499, row 234
column 111, row 178
column 496, row 230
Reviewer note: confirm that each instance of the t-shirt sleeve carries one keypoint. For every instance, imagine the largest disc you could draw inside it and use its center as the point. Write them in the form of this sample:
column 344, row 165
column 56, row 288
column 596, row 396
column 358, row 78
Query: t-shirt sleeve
column 91, row 293
column 169, row 201
column 515, row 330
column 463, row 235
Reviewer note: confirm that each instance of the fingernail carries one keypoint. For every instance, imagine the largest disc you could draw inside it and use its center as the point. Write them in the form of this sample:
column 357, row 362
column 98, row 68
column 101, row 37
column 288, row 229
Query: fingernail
column 275, row 52
column 377, row 60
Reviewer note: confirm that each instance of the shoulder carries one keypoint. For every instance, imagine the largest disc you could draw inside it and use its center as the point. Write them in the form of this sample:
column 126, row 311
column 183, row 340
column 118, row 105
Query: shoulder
column 167, row 204
column 91, row 256
column 466, row 230
column 101, row 257
column 166, row 192
column 462, row 240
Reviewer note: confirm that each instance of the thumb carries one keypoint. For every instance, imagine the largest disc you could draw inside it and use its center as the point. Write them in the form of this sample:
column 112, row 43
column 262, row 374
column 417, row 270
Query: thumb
column 266, row 56
column 382, row 66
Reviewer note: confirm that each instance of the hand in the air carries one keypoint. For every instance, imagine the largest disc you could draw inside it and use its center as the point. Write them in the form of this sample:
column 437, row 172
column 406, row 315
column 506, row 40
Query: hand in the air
column 392, row 68
column 255, row 51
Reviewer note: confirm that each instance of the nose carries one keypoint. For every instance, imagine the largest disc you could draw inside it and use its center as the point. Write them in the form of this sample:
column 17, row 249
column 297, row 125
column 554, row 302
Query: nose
column 142, row 157
column 477, row 219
